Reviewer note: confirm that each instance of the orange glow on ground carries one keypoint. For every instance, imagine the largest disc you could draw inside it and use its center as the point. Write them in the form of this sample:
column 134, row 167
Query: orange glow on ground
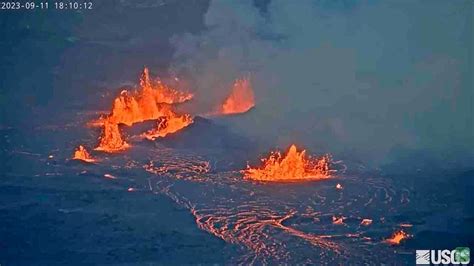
column 406, row 225
column 397, row 238
column 293, row 166
column 241, row 98
column 168, row 125
column 111, row 139
column 109, row 176
column 338, row 220
column 82, row 154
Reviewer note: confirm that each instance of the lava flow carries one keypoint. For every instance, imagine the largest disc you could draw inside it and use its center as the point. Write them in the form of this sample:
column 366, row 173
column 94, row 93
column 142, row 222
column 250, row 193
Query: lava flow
column 397, row 238
column 294, row 166
column 240, row 100
column 111, row 139
column 82, row 154
column 167, row 125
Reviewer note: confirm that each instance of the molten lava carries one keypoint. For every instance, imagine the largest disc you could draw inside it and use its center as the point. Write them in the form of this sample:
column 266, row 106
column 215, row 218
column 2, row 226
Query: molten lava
column 128, row 109
column 151, row 101
column 338, row 220
column 240, row 100
column 167, row 125
column 111, row 139
column 397, row 238
column 161, row 92
column 293, row 166
column 81, row 154
column 109, row 176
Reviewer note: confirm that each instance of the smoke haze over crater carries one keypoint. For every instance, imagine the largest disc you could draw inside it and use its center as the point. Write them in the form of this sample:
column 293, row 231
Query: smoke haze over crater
column 357, row 78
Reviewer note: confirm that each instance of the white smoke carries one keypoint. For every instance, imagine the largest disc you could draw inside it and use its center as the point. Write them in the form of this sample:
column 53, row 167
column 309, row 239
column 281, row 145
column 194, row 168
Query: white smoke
column 359, row 79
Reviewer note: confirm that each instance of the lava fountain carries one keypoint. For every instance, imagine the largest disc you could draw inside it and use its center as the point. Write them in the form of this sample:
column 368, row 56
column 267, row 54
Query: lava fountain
column 83, row 155
column 241, row 98
column 111, row 139
column 151, row 101
column 293, row 166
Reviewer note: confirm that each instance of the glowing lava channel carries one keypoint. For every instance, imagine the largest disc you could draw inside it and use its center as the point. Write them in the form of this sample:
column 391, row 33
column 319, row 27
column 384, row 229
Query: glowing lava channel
column 293, row 166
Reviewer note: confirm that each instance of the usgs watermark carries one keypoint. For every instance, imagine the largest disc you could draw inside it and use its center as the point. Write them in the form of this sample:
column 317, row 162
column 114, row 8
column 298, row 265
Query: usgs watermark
column 459, row 255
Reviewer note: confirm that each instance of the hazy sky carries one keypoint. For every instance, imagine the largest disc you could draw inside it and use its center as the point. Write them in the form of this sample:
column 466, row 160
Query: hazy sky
column 347, row 77
column 364, row 78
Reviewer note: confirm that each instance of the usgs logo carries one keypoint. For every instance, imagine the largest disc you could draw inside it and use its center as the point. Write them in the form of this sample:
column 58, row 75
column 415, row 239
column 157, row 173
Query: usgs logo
column 460, row 255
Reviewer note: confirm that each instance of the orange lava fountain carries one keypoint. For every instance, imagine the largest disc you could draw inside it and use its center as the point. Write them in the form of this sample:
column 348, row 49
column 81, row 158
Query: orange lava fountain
column 82, row 154
column 161, row 92
column 167, row 125
column 240, row 100
column 397, row 238
column 151, row 101
column 111, row 139
column 293, row 166
column 128, row 109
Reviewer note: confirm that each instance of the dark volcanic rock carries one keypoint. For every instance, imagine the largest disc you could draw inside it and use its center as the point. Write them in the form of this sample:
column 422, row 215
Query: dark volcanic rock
column 205, row 134
column 228, row 150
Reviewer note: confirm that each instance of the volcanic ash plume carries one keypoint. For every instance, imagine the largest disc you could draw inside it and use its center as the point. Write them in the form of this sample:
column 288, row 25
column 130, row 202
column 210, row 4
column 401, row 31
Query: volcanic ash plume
column 240, row 100
column 111, row 139
column 293, row 166
column 81, row 154
column 169, row 124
